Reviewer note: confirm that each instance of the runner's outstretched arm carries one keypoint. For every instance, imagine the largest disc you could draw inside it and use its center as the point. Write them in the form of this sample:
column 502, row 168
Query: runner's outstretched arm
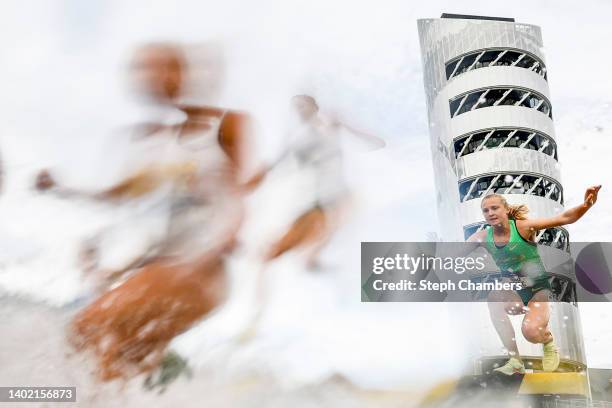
column 136, row 185
column 373, row 142
column 568, row 216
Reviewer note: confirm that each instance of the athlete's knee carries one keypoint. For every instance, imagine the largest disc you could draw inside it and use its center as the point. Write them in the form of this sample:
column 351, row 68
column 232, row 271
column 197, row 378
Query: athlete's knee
column 315, row 218
column 533, row 332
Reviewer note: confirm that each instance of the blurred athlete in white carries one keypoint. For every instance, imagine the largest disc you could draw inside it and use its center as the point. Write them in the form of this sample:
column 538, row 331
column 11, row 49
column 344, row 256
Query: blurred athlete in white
column 189, row 163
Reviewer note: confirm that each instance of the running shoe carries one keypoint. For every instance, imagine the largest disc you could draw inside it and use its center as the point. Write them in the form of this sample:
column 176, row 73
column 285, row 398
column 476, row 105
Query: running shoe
column 513, row 366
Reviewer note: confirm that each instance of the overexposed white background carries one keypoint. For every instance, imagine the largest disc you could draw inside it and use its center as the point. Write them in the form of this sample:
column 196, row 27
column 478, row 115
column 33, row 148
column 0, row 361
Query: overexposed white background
column 64, row 94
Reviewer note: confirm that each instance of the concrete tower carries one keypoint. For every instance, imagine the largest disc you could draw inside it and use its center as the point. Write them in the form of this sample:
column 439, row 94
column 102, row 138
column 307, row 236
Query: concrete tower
column 491, row 130
column 490, row 121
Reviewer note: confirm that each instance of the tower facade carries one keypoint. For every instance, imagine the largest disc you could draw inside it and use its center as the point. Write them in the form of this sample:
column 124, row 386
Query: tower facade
column 491, row 130
column 490, row 121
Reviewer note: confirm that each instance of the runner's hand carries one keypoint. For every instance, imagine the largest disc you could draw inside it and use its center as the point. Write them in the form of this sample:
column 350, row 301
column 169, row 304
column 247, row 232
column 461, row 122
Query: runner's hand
column 590, row 196
column 44, row 181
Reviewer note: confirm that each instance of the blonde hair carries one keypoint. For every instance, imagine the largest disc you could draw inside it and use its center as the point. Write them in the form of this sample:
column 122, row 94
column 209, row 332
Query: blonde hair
column 515, row 212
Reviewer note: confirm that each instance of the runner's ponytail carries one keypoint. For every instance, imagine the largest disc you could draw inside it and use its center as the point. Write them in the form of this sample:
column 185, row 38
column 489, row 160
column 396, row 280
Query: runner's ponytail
column 517, row 212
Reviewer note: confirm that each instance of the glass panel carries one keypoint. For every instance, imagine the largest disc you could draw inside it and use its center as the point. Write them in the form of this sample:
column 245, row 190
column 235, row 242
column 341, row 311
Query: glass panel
column 458, row 146
column 470, row 101
column 502, row 183
column 465, row 64
column 492, row 96
column 522, row 137
column 525, row 62
column 549, row 235
column 513, row 97
column 463, row 188
column 450, row 68
column 476, row 141
column 508, row 58
column 536, row 142
column 488, row 57
column 539, row 69
column 548, row 149
column 544, row 108
column 497, row 138
column 532, row 101
column 454, row 104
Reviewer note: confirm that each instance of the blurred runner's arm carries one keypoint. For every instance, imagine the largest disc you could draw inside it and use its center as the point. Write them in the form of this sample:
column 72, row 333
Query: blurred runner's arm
column 372, row 142
column 136, row 185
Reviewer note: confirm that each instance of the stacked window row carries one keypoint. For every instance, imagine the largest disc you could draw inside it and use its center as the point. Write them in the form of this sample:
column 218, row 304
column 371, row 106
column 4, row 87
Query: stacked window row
column 498, row 138
column 514, row 183
column 554, row 237
column 494, row 57
column 488, row 97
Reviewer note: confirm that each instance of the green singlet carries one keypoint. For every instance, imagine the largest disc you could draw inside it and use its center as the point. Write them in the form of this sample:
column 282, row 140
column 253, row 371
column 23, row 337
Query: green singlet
column 519, row 258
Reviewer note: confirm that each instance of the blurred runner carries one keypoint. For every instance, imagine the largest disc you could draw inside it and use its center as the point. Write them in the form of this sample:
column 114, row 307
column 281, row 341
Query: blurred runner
column 191, row 164
column 318, row 149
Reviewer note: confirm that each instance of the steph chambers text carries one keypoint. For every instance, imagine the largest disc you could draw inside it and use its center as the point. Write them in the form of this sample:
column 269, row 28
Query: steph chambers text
column 426, row 285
